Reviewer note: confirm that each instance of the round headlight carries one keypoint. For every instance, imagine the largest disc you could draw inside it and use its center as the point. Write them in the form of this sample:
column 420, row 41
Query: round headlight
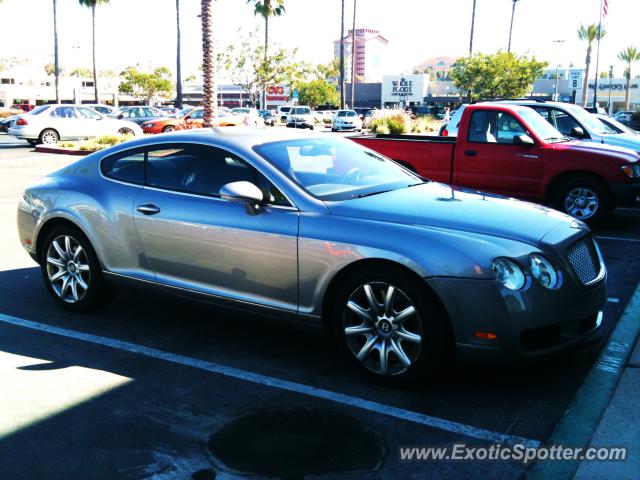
column 508, row 273
column 543, row 271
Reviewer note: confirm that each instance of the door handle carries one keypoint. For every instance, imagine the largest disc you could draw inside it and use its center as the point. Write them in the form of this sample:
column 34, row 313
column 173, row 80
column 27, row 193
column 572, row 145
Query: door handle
column 470, row 153
column 148, row 209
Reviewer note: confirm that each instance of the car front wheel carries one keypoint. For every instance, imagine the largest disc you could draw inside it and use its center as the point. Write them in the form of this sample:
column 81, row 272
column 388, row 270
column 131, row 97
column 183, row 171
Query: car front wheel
column 71, row 270
column 125, row 131
column 390, row 327
column 583, row 198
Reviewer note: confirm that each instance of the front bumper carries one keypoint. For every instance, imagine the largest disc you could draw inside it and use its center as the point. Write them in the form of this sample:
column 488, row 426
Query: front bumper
column 626, row 194
column 300, row 124
column 342, row 126
column 528, row 324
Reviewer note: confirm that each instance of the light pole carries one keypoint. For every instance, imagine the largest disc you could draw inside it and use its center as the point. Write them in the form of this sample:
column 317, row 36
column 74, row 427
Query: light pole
column 353, row 56
column 610, row 109
column 555, row 85
column 473, row 22
column 513, row 12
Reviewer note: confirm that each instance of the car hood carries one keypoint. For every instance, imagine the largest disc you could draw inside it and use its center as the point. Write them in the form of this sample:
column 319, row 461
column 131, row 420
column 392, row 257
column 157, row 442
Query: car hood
column 440, row 206
column 626, row 140
column 601, row 149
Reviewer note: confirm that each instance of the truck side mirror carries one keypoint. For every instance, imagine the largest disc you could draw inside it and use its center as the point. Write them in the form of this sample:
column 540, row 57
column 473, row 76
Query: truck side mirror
column 578, row 132
column 523, row 140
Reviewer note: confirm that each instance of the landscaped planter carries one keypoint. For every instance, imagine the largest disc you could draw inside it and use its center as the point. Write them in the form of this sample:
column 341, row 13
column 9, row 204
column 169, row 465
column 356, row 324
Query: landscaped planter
column 60, row 150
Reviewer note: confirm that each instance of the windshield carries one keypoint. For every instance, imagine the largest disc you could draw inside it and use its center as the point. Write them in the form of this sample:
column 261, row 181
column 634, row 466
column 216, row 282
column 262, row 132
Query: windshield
column 336, row 169
column 38, row 110
column 617, row 126
column 347, row 113
column 540, row 126
column 589, row 121
column 301, row 111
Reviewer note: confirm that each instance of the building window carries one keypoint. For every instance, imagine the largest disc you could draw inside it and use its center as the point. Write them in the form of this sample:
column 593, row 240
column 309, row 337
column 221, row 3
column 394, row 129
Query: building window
column 8, row 81
column 87, row 84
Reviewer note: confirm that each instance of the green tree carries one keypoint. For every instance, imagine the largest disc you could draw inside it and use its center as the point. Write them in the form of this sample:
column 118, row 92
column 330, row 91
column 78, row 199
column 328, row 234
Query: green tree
column 92, row 5
column 329, row 71
column 250, row 69
column 50, row 69
column 209, row 86
column 629, row 55
column 317, row 92
column 501, row 75
column 267, row 9
column 589, row 33
column 146, row 85
column 80, row 72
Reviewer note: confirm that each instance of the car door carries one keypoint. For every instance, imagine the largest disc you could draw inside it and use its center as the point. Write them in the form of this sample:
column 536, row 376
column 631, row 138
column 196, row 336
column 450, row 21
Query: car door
column 65, row 122
column 88, row 121
column 488, row 159
column 196, row 241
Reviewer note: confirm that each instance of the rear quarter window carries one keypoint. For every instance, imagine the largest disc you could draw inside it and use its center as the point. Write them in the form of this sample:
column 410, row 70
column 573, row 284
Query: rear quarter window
column 124, row 166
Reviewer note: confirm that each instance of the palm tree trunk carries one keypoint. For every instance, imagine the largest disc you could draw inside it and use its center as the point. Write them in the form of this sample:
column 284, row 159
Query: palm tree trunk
column 56, row 63
column 95, row 73
column 585, row 82
column 266, row 54
column 353, row 56
column 210, row 100
column 627, row 93
column 178, row 59
column 342, row 58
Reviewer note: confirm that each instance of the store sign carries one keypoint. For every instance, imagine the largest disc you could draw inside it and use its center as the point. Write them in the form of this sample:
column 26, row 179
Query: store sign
column 613, row 87
column 404, row 88
column 278, row 95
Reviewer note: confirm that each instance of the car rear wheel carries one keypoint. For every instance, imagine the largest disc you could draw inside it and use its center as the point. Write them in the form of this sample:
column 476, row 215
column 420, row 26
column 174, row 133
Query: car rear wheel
column 125, row 131
column 583, row 198
column 168, row 128
column 32, row 142
column 71, row 270
column 389, row 327
column 48, row 137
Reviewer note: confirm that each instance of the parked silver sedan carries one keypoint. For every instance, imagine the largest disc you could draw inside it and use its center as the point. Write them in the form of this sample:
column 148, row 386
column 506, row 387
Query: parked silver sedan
column 404, row 273
column 47, row 124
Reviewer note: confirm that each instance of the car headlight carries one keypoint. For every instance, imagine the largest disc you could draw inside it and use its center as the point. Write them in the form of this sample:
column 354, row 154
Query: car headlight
column 632, row 170
column 508, row 273
column 543, row 271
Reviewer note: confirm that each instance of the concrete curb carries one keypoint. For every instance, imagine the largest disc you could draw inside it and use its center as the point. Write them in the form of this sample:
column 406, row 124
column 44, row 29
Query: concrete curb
column 581, row 418
column 59, row 150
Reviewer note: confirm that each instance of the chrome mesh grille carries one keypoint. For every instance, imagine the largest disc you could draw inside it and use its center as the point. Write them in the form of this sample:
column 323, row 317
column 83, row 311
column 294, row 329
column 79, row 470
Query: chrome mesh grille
column 584, row 260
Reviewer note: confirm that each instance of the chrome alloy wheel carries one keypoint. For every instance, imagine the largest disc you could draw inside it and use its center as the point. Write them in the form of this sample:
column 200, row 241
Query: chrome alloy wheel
column 382, row 328
column 581, row 203
column 68, row 268
column 49, row 137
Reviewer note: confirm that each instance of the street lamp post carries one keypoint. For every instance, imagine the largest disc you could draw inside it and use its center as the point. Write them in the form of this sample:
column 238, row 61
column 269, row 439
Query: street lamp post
column 610, row 108
column 513, row 12
column 555, row 85
column 473, row 21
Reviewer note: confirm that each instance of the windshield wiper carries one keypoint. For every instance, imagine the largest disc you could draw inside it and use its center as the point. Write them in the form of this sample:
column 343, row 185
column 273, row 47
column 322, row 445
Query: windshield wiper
column 362, row 195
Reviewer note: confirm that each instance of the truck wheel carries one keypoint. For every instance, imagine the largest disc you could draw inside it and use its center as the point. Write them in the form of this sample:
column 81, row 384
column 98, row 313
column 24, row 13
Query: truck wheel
column 386, row 326
column 48, row 137
column 584, row 198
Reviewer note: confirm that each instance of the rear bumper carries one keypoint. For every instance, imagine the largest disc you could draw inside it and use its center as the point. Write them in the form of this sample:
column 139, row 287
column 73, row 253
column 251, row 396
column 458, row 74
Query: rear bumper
column 626, row 194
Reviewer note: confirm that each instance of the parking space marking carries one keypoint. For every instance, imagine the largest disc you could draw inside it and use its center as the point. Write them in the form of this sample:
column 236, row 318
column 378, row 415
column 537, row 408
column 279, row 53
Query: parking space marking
column 247, row 376
column 621, row 239
column 613, row 300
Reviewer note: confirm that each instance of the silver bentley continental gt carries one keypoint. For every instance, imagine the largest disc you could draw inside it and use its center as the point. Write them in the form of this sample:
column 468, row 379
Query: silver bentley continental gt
column 406, row 274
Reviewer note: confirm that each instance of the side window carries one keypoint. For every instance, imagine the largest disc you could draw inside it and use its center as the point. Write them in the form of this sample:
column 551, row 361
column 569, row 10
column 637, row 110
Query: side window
column 544, row 112
column 494, row 127
column 149, row 112
column 63, row 112
column 196, row 114
column 203, row 170
column 564, row 122
column 125, row 166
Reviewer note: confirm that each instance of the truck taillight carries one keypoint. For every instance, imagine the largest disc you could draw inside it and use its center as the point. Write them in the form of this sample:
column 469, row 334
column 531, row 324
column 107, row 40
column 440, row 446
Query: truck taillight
column 21, row 121
column 445, row 133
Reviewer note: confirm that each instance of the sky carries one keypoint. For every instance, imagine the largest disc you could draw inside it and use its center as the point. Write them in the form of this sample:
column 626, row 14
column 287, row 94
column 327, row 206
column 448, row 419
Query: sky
column 131, row 32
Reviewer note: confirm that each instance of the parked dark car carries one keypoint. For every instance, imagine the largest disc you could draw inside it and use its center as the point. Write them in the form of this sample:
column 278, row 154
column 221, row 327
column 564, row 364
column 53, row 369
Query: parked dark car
column 5, row 123
column 268, row 117
column 139, row 114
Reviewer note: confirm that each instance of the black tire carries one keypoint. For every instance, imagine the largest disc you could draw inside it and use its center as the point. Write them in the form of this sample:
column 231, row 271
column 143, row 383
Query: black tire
column 48, row 137
column 429, row 359
column 442, row 129
column 97, row 292
column 333, row 130
column 168, row 128
column 32, row 142
column 126, row 131
column 565, row 199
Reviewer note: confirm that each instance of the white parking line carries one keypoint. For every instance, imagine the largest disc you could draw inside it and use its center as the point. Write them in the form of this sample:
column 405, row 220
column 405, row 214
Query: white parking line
column 622, row 239
column 613, row 300
column 415, row 417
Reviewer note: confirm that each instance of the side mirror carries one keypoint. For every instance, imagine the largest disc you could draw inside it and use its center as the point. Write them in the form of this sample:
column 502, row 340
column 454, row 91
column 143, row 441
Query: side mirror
column 120, row 117
column 243, row 192
column 523, row 140
column 578, row 132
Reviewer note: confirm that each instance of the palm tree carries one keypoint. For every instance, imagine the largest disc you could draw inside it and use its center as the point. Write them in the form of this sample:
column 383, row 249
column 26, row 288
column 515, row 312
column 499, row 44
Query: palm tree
column 92, row 5
column 56, row 62
column 178, row 59
column 629, row 56
column 209, row 86
column 266, row 9
column 589, row 34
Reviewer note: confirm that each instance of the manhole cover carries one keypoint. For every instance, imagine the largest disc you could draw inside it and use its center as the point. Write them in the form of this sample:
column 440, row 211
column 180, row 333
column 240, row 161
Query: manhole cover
column 292, row 443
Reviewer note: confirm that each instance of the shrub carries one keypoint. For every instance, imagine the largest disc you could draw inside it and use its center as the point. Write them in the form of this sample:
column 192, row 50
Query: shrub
column 10, row 112
column 95, row 144
column 390, row 121
column 425, row 124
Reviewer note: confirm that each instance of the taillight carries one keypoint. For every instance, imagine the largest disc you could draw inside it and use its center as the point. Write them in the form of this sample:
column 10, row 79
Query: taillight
column 445, row 133
column 21, row 121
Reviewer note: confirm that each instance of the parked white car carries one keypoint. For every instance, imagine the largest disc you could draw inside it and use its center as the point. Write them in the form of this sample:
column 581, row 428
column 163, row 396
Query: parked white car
column 48, row 124
column 252, row 117
column 301, row 117
column 346, row 120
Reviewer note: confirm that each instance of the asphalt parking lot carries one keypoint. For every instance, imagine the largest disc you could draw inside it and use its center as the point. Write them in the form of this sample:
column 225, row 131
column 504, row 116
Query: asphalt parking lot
column 151, row 388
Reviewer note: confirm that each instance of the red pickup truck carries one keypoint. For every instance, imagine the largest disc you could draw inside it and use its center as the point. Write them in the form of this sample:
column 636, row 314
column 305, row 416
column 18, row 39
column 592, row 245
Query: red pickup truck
column 514, row 151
